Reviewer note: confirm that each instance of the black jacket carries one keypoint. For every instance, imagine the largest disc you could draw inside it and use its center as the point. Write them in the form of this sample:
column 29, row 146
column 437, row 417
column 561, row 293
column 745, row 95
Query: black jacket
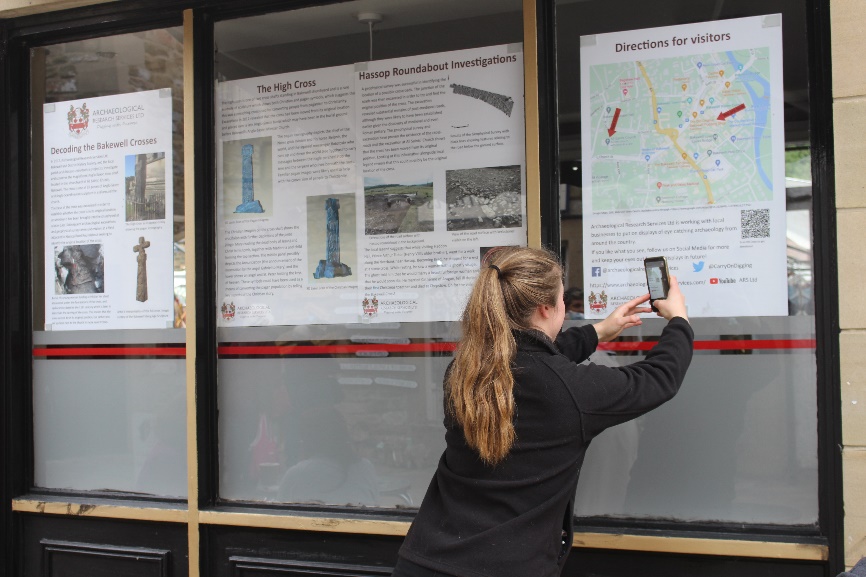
column 508, row 520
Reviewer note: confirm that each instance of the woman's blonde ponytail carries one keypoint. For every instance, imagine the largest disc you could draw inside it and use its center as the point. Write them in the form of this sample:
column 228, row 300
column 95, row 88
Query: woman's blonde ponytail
column 480, row 384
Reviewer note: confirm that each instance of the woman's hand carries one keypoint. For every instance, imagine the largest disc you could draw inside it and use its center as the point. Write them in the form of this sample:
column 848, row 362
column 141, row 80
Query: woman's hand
column 623, row 317
column 674, row 305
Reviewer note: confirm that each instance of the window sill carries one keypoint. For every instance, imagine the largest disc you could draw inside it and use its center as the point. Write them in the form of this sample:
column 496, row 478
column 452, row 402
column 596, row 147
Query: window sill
column 652, row 541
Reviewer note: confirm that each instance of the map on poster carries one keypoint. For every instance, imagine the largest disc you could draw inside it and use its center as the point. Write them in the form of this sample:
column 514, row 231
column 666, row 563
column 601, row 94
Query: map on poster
column 368, row 192
column 109, row 212
column 702, row 119
column 683, row 156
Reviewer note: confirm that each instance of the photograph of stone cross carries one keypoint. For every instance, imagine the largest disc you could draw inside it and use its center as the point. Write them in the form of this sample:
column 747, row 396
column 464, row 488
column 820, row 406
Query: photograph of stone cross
column 141, row 285
column 140, row 177
column 331, row 266
column 249, row 204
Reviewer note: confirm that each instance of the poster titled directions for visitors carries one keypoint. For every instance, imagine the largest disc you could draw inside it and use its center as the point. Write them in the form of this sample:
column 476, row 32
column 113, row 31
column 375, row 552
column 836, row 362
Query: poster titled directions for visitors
column 683, row 140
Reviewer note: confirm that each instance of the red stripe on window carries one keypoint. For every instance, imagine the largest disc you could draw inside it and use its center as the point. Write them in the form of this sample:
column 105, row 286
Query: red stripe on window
column 726, row 345
column 291, row 350
column 116, row 352
column 439, row 347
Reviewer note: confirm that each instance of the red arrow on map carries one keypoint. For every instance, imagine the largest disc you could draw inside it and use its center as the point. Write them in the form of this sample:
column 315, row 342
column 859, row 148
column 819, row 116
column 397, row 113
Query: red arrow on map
column 612, row 130
column 724, row 115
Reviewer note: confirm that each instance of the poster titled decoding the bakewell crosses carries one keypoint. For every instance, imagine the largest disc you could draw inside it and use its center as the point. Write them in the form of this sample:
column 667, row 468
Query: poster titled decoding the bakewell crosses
column 108, row 212
column 368, row 192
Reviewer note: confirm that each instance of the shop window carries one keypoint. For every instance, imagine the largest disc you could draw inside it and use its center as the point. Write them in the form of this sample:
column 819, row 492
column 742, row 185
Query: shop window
column 109, row 288
column 368, row 154
column 684, row 132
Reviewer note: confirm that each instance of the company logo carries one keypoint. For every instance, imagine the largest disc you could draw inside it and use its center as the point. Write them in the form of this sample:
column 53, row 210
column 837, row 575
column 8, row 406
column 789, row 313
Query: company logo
column 714, row 280
column 370, row 307
column 698, row 266
column 78, row 120
column 228, row 311
column 596, row 271
column 597, row 303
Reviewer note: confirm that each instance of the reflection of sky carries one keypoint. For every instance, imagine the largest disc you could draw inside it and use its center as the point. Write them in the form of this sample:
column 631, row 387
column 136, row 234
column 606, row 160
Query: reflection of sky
column 798, row 227
column 130, row 165
column 408, row 181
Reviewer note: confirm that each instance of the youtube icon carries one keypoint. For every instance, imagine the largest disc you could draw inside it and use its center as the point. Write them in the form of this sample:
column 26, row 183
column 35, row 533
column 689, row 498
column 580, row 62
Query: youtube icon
column 714, row 280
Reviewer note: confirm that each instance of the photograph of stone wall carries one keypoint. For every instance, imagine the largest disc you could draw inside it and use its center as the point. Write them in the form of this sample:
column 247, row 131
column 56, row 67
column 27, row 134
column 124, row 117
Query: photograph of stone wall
column 482, row 198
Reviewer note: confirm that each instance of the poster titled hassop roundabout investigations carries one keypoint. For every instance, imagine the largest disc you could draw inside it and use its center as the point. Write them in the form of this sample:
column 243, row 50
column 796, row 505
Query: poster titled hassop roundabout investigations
column 368, row 192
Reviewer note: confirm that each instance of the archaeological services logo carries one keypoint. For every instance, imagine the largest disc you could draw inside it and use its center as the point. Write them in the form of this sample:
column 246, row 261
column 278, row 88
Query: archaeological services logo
column 228, row 311
column 78, row 119
column 370, row 307
column 597, row 302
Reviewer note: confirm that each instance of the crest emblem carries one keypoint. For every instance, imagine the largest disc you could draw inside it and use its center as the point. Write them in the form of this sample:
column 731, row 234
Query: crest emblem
column 228, row 311
column 78, row 119
column 370, row 307
column 598, row 302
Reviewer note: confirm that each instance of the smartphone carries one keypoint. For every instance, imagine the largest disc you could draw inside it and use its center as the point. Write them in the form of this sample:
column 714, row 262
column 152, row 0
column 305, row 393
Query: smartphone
column 657, row 278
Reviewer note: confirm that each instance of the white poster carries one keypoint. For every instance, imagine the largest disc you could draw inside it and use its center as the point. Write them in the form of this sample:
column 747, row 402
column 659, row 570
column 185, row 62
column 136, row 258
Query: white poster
column 683, row 157
column 368, row 193
column 108, row 212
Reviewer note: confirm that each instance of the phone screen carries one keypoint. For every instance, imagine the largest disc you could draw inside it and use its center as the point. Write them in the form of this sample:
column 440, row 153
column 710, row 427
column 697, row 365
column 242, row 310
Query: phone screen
column 655, row 279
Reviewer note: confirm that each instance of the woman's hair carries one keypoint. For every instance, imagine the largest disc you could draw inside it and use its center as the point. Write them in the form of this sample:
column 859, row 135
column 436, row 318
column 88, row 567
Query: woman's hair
column 479, row 386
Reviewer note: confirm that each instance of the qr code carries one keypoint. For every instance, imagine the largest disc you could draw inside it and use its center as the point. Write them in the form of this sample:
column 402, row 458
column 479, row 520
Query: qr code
column 755, row 223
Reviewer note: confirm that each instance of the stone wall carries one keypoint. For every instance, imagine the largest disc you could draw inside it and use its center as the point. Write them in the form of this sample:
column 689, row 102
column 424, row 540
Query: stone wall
column 849, row 113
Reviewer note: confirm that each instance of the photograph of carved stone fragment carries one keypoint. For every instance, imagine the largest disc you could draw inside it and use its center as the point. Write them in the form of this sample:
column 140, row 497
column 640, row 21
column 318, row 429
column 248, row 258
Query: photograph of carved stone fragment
column 145, row 186
column 480, row 198
column 247, row 178
column 502, row 102
column 79, row 269
column 331, row 252
column 394, row 205
column 141, row 278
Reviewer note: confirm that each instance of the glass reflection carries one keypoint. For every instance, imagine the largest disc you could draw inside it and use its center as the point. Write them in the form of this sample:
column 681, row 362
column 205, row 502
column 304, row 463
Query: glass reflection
column 347, row 413
column 739, row 442
column 110, row 405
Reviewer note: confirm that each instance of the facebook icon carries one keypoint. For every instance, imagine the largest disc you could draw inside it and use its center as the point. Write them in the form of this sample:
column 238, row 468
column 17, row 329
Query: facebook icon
column 596, row 271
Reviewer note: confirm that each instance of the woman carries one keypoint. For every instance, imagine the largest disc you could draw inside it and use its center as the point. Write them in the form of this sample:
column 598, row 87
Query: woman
column 519, row 416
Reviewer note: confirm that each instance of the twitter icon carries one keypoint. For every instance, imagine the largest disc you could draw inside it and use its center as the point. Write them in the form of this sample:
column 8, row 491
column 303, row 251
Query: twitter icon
column 698, row 266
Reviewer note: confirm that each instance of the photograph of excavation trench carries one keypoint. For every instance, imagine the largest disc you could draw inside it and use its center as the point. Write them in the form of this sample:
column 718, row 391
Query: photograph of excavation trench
column 397, row 207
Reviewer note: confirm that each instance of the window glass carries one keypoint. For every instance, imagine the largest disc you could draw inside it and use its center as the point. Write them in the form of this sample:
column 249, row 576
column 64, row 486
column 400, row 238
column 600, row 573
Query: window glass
column 109, row 288
column 658, row 109
column 368, row 154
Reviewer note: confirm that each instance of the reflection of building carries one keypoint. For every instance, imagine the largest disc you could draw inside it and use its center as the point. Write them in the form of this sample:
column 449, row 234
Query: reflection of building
column 800, row 281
